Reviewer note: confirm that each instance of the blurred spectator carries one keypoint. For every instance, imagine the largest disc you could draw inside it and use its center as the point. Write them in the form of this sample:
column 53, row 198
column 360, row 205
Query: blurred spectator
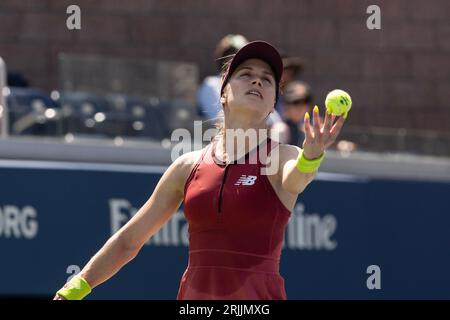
column 209, row 92
column 292, row 68
column 345, row 147
column 17, row 79
column 296, row 100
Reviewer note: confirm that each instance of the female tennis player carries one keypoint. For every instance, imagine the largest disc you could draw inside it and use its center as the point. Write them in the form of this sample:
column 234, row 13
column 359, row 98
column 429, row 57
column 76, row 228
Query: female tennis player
column 236, row 214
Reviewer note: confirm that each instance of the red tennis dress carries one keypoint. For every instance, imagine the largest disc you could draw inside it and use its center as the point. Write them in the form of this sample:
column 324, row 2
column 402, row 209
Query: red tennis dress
column 236, row 230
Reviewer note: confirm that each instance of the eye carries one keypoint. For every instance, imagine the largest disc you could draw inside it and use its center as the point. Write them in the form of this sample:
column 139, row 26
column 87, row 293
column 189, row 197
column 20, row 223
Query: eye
column 268, row 80
column 245, row 74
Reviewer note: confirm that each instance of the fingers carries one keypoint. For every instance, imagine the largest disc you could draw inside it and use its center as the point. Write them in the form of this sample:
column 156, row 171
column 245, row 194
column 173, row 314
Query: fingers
column 327, row 123
column 329, row 132
column 337, row 127
column 316, row 121
column 333, row 117
column 308, row 132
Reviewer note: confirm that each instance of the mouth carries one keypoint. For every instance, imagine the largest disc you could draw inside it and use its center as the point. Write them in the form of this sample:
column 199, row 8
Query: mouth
column 255, row 93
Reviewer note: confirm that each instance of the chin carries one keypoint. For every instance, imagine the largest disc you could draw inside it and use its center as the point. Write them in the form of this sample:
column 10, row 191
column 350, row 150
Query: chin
column 254, row 106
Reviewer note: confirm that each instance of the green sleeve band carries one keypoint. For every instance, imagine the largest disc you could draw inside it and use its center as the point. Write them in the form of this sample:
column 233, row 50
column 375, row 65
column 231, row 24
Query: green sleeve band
column 308, row 166
column 76, row 289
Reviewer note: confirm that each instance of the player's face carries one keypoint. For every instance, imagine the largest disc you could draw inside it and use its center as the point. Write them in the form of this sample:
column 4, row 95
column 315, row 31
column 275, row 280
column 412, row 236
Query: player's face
column 252, row 87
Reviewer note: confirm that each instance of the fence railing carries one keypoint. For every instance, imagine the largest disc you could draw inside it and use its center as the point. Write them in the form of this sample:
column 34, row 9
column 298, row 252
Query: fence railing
column 386, row 140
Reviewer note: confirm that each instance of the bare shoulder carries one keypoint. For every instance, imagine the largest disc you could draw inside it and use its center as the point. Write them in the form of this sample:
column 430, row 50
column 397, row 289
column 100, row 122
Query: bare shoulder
column 184, row 164
column 279, row 156
column 176, row 175
column 289, row 151
column 286, row 152
column 189, row 159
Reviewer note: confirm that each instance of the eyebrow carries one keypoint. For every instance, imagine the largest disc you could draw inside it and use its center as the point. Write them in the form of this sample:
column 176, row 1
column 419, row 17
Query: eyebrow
column 250, row 68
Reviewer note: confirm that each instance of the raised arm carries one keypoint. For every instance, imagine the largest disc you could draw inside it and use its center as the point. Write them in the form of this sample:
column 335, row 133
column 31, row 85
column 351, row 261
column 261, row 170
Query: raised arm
column 125, row 244
column 318, row 138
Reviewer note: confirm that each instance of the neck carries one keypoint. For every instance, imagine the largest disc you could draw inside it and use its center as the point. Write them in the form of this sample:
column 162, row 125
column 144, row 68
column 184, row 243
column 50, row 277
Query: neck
column 240, row 136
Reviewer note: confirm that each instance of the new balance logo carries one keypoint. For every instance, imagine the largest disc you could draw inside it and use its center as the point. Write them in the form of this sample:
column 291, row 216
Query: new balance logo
column 246, row 180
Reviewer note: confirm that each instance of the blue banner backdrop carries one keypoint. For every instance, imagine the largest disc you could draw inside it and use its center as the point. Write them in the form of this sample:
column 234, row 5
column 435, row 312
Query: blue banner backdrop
column 52, row 220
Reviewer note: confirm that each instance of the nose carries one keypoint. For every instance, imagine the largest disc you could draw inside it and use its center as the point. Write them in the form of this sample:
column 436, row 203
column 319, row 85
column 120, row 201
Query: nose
column 257, row 81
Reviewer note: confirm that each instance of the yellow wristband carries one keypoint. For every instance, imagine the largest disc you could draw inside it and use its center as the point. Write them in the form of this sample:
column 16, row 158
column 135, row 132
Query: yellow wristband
column 76, row 289
column 308, row 166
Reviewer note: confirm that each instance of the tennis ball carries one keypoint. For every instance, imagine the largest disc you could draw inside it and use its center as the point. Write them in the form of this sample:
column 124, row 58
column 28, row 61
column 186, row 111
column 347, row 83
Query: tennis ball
column 338, row 102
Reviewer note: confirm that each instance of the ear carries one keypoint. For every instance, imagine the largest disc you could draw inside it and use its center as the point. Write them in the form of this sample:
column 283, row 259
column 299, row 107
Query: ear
column 223, row 99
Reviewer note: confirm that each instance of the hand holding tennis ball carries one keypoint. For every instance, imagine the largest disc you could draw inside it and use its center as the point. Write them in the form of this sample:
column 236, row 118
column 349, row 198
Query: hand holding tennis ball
column 322, row 134
column 338, row 102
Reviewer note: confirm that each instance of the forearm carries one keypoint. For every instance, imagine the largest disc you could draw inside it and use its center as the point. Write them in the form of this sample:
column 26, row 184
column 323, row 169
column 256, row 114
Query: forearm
column 295, row 181
column 107, row 261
